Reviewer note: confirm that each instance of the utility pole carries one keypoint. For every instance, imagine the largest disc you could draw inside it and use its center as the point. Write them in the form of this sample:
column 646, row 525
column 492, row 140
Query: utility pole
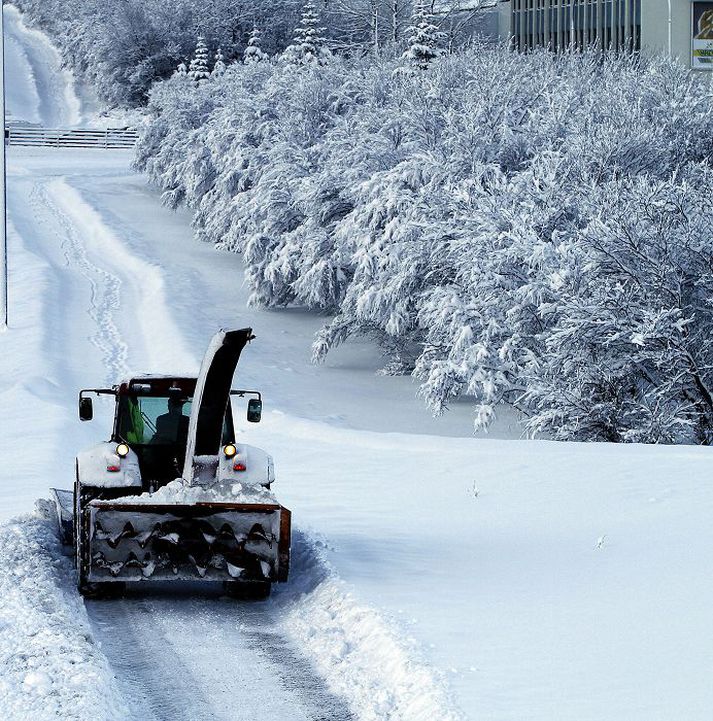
column 3, row 178
column 669, row 28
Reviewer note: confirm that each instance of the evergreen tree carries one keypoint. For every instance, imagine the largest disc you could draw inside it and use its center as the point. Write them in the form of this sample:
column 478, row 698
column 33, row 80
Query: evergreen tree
column 198, row 69
column 423, row 37
column 253, row 53
column 308, row 45
column 219, row 64
column 181, row 70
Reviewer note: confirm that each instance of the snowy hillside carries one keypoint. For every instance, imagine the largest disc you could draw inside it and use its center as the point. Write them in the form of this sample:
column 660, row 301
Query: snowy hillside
column 436, row 575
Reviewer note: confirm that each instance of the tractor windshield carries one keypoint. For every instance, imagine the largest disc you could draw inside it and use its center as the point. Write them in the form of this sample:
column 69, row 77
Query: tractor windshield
column 156, row 427
column 154, row 420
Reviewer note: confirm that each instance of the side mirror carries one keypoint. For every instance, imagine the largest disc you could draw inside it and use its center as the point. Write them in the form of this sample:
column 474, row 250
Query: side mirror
column 254, row 410
column 86, row 409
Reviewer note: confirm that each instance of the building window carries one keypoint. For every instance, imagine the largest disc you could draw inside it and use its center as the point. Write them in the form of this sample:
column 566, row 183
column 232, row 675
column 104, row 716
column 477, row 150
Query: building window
column 559, row 24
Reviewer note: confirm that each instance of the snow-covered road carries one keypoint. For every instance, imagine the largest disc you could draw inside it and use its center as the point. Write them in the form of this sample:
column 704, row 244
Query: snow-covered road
column 436, row 575
column 92, row 301
column 103, row 282
column 185, row 656
column 39, row 90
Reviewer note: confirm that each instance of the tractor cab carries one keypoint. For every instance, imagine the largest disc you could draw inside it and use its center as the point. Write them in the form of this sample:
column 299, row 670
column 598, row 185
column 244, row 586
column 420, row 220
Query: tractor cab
column 152, row 416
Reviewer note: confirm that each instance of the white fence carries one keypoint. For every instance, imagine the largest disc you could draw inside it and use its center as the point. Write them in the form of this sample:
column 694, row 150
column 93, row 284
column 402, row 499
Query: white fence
column 71, row 137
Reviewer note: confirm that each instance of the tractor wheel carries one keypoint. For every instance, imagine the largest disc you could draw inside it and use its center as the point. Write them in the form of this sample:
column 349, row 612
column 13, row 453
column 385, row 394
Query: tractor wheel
column 248, row 590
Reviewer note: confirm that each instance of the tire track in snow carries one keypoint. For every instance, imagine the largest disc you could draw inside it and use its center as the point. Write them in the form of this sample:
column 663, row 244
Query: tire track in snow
column 105, row 287
column 150, row 674
column 296, row 673
column 228, row 662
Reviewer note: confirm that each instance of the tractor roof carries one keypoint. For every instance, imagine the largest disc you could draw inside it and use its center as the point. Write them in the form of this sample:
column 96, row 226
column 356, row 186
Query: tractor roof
column 157, row 385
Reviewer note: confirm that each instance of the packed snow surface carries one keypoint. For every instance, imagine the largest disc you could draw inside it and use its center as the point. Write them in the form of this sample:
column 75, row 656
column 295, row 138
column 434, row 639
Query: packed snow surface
column 435, row 575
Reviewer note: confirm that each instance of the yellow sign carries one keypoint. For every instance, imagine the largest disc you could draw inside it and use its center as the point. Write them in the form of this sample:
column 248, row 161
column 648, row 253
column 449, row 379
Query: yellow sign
column 702, row 45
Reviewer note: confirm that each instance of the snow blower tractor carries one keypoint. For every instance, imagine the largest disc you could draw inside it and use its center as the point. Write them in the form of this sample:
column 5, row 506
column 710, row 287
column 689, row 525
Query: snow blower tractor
column 173, row 495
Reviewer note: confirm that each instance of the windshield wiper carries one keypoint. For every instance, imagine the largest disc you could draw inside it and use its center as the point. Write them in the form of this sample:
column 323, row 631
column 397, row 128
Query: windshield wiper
column 148, row 422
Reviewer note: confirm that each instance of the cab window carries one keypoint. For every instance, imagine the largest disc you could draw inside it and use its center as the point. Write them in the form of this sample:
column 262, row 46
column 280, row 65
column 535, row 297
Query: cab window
column 159, row 420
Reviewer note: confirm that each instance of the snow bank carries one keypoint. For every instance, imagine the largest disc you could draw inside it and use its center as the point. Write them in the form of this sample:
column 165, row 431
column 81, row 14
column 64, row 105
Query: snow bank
column 363, row 656
column 52, row 667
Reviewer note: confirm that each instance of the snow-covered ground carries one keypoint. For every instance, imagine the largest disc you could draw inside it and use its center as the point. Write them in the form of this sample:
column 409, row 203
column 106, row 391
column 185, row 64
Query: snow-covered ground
column 436, row 575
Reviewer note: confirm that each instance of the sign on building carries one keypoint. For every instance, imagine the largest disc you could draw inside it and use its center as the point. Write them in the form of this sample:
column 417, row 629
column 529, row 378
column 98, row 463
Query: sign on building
column 702, row 44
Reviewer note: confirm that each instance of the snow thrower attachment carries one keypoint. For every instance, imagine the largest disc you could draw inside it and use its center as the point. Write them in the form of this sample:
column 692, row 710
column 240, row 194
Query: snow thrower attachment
column 173, row 495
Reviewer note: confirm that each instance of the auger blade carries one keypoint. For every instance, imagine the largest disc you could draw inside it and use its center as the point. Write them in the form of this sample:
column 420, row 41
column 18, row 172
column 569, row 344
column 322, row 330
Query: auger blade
column 207, row 542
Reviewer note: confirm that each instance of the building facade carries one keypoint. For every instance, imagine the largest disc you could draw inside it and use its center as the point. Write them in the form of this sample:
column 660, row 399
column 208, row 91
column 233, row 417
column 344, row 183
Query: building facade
column 680, row 28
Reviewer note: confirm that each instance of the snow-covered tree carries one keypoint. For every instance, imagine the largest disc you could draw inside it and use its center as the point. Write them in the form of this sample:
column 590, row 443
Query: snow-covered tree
column 218, row 64
column 423, row 37
column 198, row 68
column 253, row 53
column 309, row 46
column 542, row 240
column 629, row 357
column 181, row 70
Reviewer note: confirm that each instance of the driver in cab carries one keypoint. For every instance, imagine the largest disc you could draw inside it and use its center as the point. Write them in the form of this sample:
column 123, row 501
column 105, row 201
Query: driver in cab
column 172, row 427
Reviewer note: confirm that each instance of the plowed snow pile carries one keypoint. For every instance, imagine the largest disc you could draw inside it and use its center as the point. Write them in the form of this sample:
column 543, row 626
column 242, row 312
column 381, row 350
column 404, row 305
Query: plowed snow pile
column 51, row 666
column 357, row 650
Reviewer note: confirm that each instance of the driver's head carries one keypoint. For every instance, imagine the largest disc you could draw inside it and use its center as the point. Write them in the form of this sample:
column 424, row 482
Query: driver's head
column 175, row 404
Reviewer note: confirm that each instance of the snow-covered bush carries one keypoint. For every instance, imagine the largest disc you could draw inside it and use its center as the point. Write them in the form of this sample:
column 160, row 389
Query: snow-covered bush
column 521, row 229
column 631, row 354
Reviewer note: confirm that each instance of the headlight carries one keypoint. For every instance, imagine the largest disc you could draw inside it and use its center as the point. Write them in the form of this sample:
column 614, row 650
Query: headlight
column 122, row 450
column 230, row 450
